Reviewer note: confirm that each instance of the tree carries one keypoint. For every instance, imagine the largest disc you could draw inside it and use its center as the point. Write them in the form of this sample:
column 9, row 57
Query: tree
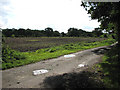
column 97, row 32
column 21, row 32
column 56, row 34
column 73, row 32
column 107, row 13
column 49, row 31
column 63, row 34
column 82, row 33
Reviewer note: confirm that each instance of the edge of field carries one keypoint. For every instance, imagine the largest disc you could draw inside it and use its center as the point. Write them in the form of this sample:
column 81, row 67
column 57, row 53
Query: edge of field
column 53, row 52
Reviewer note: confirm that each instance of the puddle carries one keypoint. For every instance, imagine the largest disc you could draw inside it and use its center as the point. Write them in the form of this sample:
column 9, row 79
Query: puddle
column 37, row 72
column 70, row 55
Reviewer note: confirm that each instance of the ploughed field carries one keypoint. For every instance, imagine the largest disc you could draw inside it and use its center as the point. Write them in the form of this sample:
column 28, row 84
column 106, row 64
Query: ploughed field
column 24, row 44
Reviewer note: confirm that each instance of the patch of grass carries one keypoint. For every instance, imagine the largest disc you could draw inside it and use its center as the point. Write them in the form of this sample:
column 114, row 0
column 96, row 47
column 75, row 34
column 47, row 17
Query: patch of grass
column 48, row 53
column 109, row 67
column 10, row 57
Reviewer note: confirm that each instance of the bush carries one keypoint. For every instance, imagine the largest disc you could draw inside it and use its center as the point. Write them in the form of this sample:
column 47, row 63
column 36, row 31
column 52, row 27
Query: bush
column 110, row 68
column 9, row 55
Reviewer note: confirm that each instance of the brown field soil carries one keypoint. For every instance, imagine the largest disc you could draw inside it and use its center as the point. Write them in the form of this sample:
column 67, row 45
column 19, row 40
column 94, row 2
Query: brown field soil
column 24, row 44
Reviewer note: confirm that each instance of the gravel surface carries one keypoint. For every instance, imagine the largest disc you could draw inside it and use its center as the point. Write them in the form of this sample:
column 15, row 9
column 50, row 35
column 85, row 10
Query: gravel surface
column 22, row 77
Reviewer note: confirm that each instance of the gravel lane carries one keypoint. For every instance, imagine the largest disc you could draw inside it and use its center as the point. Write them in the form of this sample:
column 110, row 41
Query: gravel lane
column 22, row 77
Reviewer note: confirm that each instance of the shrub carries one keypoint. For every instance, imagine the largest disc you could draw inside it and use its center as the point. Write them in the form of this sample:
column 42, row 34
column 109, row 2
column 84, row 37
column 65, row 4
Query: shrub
column 12, row 35
column 9, row 55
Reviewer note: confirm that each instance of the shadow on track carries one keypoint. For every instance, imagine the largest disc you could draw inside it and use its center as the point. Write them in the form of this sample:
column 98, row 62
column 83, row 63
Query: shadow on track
column 86, row 79
column 70, row 81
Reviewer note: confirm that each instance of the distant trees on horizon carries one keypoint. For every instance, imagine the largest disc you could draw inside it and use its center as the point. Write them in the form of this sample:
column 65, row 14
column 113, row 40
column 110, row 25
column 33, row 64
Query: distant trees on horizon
column 48, row 32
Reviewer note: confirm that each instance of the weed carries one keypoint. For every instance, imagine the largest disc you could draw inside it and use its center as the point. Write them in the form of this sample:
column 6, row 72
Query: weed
column 12, row 58
column 110, row 68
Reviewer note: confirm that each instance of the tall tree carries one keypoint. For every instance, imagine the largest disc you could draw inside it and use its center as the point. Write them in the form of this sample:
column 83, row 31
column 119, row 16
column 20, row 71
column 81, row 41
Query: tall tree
column 97, row 32
column 73, row 32
column 49, row 31
column 56, row 34
column 63, row 34
column 107, row 13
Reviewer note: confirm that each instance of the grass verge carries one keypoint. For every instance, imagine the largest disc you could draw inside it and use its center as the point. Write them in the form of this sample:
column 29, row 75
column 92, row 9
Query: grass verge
column 108, row 70
column 48, row 53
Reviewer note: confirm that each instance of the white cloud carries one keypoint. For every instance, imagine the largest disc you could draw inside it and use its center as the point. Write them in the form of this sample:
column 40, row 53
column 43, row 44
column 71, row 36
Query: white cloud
column 58, row 14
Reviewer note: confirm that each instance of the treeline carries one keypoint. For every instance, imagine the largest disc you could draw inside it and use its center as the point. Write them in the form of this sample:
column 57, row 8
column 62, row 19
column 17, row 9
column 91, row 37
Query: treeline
column 48, row 32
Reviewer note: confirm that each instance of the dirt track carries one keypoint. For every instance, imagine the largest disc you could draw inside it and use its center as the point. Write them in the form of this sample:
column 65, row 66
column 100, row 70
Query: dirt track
column 22, row 77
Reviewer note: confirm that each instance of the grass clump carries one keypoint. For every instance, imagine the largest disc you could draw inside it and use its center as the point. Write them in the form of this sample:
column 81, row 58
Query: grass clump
column 12, row 58
column 109, row 67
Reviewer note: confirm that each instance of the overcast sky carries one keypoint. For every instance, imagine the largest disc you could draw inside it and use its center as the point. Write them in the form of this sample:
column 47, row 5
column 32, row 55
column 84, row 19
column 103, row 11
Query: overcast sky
column 39, row 14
